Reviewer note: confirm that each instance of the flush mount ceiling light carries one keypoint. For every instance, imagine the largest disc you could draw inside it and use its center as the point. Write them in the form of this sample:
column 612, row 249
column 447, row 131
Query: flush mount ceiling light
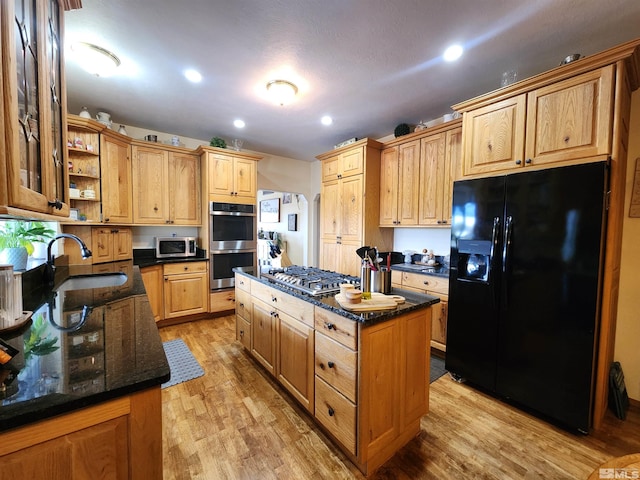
column 452, row 53
column 193, row 76
column 94, row 59
column 281, row 91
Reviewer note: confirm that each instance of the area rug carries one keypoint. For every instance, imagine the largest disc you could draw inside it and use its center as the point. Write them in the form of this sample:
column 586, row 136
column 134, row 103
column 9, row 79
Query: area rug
column 437, row 368
column 182, row 363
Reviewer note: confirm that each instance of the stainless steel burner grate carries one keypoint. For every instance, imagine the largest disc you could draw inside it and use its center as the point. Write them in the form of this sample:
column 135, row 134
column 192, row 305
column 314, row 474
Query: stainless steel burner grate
column 310, row 280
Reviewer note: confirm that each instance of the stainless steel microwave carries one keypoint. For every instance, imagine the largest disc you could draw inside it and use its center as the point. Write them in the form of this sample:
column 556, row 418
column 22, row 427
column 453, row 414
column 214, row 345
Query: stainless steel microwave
column 167, row 247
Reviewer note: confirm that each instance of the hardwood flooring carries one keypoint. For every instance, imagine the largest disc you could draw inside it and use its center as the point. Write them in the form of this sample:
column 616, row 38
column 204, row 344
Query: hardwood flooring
column 236, row 423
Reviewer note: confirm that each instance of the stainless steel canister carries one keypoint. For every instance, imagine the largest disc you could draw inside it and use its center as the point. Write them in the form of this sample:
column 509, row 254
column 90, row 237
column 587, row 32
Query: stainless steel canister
column 7, row 297
column 381, row 281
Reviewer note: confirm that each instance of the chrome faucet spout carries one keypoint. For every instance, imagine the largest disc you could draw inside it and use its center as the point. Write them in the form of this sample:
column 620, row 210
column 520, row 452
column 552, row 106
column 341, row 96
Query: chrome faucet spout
column 86, row 253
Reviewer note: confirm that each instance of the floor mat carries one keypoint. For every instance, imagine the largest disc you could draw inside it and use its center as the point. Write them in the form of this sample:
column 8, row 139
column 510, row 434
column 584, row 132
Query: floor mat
column 182, row 363
column 437, row 368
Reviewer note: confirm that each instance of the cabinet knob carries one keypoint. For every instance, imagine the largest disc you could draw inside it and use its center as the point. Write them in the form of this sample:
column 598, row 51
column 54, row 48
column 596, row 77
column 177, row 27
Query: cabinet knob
column 528, row 160
column 321, row 365
column 186, row 268
column 106, row 219
column 331, row 364
column 274, row 299
column 57, row 204
column 241, row 305
column 155, row 209
column 331, row 412
column 330, row 326
column 426, row 282
column 242, row 333
column 518, row 162
column 166, row 279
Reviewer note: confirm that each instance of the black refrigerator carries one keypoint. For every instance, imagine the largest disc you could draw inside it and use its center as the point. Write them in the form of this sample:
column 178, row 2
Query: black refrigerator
column 524, row 287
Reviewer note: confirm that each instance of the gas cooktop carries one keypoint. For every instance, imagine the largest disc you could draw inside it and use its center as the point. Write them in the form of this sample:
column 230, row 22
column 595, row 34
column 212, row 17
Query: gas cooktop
column 310, row 280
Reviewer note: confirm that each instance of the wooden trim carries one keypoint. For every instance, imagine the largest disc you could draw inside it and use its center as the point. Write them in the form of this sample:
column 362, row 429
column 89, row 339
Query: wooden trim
column 71, row 4
column 364, row 142
column 145, row 434
column 443, row 127
column 224, row 151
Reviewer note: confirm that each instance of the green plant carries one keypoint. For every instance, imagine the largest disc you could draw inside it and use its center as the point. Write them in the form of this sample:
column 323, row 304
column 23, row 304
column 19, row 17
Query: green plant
column 39, row 342
column 24, row 234
column 218, row 142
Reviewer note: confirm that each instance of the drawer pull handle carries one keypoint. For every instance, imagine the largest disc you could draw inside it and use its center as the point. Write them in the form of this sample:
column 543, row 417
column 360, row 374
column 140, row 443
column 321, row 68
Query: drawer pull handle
column 330, row 326
column 274, row 299
column 331, row 364
column 331, row 411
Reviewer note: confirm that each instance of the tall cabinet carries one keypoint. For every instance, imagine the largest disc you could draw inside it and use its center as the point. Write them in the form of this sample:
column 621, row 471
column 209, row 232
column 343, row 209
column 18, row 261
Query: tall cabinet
column 32, row 111
column 349, row 206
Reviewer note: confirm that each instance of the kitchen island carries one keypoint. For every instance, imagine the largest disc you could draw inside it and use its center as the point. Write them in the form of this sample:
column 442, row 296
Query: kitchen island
column 363, row 377
column 83, row 393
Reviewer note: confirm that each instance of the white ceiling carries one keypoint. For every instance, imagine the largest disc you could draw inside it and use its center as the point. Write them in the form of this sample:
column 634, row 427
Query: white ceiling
column 370, row 64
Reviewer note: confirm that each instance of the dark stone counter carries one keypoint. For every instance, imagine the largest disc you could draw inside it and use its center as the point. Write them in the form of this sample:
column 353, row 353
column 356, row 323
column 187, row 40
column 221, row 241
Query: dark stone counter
column 413, row 301
column 82, row 347
column 438, row 271
column 146, row 257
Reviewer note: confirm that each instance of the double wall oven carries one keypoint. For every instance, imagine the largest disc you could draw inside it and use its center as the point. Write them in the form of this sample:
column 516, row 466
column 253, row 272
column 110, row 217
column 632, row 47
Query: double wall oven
column 232, row 241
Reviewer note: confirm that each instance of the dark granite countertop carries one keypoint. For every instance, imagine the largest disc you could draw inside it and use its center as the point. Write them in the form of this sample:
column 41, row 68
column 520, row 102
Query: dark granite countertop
column 94, row 345
column 437, row 271
column 146, row 257
column 413, row 301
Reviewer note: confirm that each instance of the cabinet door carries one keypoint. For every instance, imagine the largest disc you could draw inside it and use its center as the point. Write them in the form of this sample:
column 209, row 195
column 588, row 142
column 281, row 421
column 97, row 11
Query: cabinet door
column 121, row 346
column 432, row 177
column 184, row 189
column 330, row 254
column 453, row 167
column 389, row 182
column 122, row 244
column 185, row 294
column 351, row 212
column 349, row 262
column 409, row 183
column 351, row 162
column 150, row 186
column 330, row 169
column 439, row 324
column 153, row 284
column 115, row 160
column 330, row 217
column 101, row 245
column 263, row 335
column 295, row 359
column 245, row 178
column 494, row 136
column 571, row 119
column 220, row 174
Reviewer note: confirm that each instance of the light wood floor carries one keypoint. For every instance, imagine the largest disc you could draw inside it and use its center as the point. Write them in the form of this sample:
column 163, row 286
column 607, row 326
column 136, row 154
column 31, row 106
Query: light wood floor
column 235, row 423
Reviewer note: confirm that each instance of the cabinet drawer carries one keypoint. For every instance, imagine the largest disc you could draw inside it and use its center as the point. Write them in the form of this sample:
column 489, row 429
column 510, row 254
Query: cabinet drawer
column 243, row 304
column 336, row 365
column 337, row 414
column 334, row 326
column 243, row 332
column 296, row 307
column 243, row 283
column 186, row 267
column 426, row 282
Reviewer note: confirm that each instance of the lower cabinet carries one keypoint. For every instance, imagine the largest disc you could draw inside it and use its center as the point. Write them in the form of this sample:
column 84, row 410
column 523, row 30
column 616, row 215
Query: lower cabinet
column 119, row 439
column 177, row 289
column 367, row 386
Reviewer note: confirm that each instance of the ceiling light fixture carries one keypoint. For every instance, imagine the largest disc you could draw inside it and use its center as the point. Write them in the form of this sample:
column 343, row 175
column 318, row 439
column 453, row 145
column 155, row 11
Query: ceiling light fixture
column 452, row 53
column 193, row 76
column 238, row 123
column 282, row 91
column 326, row 120
column 95, row 60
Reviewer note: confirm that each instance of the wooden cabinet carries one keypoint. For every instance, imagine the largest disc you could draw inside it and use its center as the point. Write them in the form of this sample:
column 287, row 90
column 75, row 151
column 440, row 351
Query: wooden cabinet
column 120, row 439
column 432, row 285
column 186, row 289
column 107, row 244
column 416, row 181
column 117, row 190
column 400, row 182
column 232, row 178
column 152, row 277
column 350, row 199
column 166, row 186
column 244, row 311
column 569, row 120
column 263, row 335
column 33, row 158
column 84, row 169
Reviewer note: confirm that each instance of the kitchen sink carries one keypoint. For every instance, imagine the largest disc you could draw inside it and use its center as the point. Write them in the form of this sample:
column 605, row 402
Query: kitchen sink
column 96, row 280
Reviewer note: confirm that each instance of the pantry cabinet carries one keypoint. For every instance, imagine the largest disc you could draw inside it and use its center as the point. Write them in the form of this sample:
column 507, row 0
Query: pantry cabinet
column 565, row 121
column 32, row 111
column 350, row 199
column 166, row 186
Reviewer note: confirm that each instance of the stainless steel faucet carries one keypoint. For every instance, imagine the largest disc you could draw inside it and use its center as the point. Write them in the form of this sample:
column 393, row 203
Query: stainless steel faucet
column 86, row 253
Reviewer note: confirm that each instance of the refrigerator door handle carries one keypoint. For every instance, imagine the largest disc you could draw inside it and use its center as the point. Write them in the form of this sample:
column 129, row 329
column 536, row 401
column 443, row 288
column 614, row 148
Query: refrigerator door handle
column 494, row 238
column 507, row 243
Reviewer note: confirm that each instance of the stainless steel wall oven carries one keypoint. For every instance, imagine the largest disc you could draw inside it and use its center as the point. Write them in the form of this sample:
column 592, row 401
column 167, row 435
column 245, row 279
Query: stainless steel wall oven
column 232, row 241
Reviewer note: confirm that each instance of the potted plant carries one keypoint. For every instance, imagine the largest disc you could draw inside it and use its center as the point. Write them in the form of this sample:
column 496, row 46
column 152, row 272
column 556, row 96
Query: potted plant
column 218, row 142
column 17, row 239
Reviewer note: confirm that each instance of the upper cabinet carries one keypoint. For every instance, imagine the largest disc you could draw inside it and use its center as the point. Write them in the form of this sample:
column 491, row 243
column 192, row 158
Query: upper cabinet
column 570, row 120
column 417, row 175
column 232, row 177
column 344, row 164
column 166, row 186
column 33, row 108
column 115, row 159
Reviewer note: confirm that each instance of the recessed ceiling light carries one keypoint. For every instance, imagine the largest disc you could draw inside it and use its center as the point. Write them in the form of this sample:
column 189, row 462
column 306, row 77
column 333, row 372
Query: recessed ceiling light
column 326, row 120
column 193, row 76
column 238, row 123
column 94, row 59
column 452, row 53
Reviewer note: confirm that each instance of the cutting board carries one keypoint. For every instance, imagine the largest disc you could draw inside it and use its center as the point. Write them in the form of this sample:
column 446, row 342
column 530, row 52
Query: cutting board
column 378, row 301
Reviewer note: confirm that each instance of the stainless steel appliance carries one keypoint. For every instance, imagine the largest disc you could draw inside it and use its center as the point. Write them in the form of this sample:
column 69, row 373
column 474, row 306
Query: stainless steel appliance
column 232, row 241
column 310, row 280
column 524, row 287
column 167, row 247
